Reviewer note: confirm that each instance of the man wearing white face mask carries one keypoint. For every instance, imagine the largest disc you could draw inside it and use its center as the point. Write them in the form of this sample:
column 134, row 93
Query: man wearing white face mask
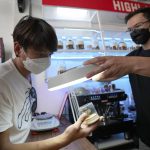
column 37, row 65
column 34, row 42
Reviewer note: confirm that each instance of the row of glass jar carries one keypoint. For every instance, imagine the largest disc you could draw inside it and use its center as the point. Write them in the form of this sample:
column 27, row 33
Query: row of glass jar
column 96, row 44
column 80, row 44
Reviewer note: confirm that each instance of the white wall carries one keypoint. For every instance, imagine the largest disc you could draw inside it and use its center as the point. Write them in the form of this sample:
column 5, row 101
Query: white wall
column 6, row 24
column 36, row 9
column 9, row 16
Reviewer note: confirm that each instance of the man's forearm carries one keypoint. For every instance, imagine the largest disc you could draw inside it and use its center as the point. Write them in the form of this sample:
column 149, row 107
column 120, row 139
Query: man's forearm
column 49, row 144
column 140, row 65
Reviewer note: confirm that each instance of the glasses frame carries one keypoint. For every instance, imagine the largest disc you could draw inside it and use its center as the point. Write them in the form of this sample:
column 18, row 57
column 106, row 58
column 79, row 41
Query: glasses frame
column 137, row 26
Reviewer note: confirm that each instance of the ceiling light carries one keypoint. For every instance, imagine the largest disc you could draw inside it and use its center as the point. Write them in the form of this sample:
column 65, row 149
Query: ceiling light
column 72, row 13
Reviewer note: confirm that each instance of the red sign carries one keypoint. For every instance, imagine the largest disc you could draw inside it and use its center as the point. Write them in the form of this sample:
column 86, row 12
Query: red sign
column 124, row 6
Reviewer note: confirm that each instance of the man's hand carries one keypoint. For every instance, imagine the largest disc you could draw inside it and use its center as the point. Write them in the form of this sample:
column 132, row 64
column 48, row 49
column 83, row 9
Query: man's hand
column 75, row 131
column 110, row 67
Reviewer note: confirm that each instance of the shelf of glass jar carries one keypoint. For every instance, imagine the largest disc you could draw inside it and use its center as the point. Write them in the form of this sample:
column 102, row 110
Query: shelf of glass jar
column 93, row 50
column 80, row 46
column 89, row 48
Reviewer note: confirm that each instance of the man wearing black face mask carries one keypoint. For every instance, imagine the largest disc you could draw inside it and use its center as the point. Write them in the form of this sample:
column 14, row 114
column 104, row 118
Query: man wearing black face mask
column 137, row 65
column 140, row 34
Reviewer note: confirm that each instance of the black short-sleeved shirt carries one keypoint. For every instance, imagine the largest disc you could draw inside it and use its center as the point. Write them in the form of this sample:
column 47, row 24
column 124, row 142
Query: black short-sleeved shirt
column 141, row 92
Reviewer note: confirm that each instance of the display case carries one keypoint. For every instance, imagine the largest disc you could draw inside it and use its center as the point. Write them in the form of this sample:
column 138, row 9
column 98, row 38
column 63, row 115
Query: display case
column 86, row 33
column 91, row 41
column 89, row 30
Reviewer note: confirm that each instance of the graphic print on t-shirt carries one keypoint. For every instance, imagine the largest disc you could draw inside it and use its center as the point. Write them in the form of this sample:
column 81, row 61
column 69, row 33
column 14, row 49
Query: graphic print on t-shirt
column 28, row 107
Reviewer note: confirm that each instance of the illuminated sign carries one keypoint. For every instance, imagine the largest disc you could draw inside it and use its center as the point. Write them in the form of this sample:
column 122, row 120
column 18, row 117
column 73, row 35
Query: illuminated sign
column 124, row 6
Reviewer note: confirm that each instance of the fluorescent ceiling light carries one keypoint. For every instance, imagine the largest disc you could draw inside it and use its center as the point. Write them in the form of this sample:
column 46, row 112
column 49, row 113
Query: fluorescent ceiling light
column 72, row 13
column 72, row 57
column 86, row 38
column 63, row 37
column 81, row 29
column 127, row 40
column 117, row 38
column 107, row 38
column 70, row 77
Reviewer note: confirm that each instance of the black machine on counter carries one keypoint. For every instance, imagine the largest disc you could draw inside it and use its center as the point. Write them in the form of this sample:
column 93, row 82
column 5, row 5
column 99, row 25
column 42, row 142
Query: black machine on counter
column 107, row 104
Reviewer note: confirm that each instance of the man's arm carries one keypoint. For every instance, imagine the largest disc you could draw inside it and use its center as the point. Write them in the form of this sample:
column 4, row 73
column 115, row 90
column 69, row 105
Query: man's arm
column 53, row 143
column 114, row 67
column 71, row 133
column 141, row 66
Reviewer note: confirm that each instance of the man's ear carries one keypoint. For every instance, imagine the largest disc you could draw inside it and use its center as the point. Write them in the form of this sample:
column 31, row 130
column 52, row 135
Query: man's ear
column 17, row 49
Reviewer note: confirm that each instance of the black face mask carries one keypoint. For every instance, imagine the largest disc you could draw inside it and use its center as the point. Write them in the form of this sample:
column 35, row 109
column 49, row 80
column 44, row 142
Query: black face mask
column 140, row 36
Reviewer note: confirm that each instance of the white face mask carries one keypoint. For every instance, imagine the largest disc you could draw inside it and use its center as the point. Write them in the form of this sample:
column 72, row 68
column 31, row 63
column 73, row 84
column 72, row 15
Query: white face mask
column 37, row 65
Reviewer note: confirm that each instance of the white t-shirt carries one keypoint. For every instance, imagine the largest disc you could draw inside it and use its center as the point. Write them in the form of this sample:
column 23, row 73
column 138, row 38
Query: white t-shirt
column 15, row 103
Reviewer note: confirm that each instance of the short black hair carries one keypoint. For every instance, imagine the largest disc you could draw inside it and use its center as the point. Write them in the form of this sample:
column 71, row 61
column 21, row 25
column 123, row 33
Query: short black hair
column 145, row 11
column 36, row 33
